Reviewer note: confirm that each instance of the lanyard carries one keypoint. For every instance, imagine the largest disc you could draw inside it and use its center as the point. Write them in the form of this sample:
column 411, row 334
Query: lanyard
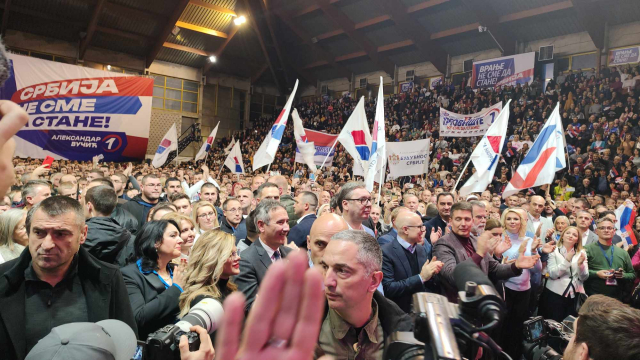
column 609, row 260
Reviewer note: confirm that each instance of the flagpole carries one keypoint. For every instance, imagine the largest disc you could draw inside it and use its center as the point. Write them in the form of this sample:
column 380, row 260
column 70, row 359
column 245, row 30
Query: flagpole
column 268, row 168
column 329, row 153
column 462, row 173
column 382, row 173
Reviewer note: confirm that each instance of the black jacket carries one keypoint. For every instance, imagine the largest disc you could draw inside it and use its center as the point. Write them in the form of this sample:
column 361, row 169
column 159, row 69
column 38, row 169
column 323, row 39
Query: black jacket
column 153, row 305
column 105, row 238
column 139, row 209
column 103, row 288
column 298, row 234
column 241, row 230
column 125, row 219
column 398, row 281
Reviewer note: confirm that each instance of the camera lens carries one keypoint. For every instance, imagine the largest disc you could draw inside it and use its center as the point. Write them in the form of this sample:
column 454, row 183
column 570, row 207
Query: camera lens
column 207, row 313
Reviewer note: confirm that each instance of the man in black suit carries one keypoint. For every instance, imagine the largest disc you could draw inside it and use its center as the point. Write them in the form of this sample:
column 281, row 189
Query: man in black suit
column 304, row 206
column 271, row 219
column 444, row 201
column 405, row 266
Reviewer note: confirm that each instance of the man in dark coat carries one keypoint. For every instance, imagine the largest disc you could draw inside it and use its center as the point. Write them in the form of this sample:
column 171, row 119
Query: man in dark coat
column 84, row 289
column 140, row 205
column 105, row 237
column 305, row 209
column 233, row 222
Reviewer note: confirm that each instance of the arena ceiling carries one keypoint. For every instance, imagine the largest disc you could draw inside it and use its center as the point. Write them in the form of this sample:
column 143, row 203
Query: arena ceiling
column 310, row 39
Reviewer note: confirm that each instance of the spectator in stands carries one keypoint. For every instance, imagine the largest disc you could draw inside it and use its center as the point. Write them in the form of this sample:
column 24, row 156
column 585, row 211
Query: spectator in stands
column 13, row 234
column 119, row 214
column 245, row 196
column 160, row 210
column 140, row 205
column 55, row 260
column 187, row 232
column 583, row 222
column 182, row 203
column 267, row 191
column 105, row 237
column 272, row 222
column 252, row 233
column 153, row 282
column 321, row 232
column 205, row 216
column 444, row 201
column 305, row 205
column 172, row 186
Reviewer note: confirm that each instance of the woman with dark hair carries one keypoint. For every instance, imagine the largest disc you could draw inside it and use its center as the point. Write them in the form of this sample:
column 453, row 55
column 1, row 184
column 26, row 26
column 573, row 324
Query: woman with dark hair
column 153, row 282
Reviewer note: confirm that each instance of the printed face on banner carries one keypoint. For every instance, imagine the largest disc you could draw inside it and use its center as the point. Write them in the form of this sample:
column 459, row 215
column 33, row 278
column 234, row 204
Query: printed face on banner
column 76, row 113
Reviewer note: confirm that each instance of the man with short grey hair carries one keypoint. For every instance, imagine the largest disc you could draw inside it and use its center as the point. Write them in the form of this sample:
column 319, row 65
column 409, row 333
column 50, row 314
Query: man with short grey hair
column 34, row 191
column 272, row 222
column 357, row 316
column 57, row 281
column 354, row 201
column 479, row 217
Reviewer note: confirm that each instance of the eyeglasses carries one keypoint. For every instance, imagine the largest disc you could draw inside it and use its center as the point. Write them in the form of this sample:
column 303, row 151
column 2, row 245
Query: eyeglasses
column 234, row 254
column 606, row 228
column 422, row 227
column 234, row 210
column 209, row 214
column 361, row 200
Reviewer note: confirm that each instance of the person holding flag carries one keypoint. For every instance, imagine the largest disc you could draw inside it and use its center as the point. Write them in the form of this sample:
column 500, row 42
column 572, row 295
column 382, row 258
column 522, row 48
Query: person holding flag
column 168, row 144
column 267, row 151
column 486, row 155
column 206, row 146
column 305, row 148
column 230, row 146
column 626, row 216
column 547, row 155
column 234, row 160
column 376, row 159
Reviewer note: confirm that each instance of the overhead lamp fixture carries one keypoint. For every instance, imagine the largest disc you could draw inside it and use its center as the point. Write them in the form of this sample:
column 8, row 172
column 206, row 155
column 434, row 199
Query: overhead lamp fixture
column 212, row 58
column 109, row 67
column 240, row 20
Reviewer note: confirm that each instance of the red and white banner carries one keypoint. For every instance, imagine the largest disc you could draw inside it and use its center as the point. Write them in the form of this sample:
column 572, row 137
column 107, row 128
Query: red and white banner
column 323, row 143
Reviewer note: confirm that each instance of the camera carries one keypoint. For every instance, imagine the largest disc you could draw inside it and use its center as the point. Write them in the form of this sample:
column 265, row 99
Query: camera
column 445, row 330
column 163, row 344
column 546, row 339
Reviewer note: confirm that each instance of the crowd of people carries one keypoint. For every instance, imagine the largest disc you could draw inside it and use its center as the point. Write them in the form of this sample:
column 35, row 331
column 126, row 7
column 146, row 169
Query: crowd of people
column 88, row 241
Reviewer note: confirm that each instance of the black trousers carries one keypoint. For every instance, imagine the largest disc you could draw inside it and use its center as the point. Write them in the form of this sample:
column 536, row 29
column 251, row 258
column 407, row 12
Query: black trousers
column 517, row 303
column 556, row 307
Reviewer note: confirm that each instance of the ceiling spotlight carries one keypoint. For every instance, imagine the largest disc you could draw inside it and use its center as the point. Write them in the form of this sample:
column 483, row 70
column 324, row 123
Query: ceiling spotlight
column 212, row 58
column 240, row 20
column 109, row 67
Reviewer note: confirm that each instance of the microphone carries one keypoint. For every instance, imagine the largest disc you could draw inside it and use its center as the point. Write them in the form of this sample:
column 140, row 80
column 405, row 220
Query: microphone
column 478, row 296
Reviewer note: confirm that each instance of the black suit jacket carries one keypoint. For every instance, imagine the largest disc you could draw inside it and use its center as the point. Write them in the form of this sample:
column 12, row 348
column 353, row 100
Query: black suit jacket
column 298, row 233
column 437, row 223
column 398, row 283
column 153, row 305
column 103, row 287
column 253, row 266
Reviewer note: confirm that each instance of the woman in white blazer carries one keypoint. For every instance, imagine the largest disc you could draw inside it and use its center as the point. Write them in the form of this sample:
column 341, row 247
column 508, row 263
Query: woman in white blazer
column 566, row 264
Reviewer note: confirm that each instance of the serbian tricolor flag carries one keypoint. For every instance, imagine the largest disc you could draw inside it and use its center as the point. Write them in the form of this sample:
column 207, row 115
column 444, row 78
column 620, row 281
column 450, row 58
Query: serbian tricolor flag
column 206, row 146
column 547, row 155
column 626, row 215
column 613, row 172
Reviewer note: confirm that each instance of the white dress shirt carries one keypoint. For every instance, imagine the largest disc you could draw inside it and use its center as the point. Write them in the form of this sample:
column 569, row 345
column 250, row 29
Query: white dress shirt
column 269, row 250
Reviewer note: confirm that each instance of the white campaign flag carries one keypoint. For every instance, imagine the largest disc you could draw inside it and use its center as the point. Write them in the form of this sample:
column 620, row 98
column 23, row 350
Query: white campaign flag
column 168, row 144
column 234, row 160
column 267, row 151
column 355, row 136
column 486, row 155
column 376, row 159
column 408, row 158
column 228, row 148
column 307, row 149
column 206, row 146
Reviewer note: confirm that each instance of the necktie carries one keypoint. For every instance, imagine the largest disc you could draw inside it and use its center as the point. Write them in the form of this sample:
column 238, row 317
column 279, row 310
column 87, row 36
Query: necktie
column 276, row 255
column 412, row 248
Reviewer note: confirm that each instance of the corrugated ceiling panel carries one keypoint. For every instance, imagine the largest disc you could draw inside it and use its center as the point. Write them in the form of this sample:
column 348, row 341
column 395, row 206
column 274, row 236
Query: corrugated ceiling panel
column 136, row 25
column 196, row 40
column 117, row 43
column 294, row 6
column 326, row 73
column 215, row 20
column 57, row 30
column 362, row 66
column 73, row 9
column 315, row 23
column 623, row 11
column 362, row 10
column 450, row 15
column 164, row 7
column 384, row 35
column 467, row 43
column 541, row 27
column 406, row 56
column 503, row 7
column 180, row 57
column 340, row 45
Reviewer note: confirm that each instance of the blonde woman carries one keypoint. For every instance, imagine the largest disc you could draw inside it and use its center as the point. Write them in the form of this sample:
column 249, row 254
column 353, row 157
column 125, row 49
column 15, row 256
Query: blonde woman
column 518, row 288
column 212, row 262
column 567, row 266
column 205, row 216
column 187, row 232
column 13, row 234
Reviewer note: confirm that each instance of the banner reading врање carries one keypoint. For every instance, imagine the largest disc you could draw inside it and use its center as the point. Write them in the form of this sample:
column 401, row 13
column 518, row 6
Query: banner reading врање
column 508, row 70
column 627, row 55
column 76, row 113
column 460, row 125
column 408, row 158
column 323, row 143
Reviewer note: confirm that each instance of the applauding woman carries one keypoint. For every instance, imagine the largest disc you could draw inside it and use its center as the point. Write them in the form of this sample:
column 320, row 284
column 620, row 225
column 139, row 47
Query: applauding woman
column 213, row 261
column 153, row 282
column 568, row 268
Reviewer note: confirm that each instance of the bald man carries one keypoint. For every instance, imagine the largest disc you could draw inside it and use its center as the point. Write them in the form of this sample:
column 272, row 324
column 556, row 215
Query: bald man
column 286, row 199
column 405, row 266
column 321, row 232
column 536, row 220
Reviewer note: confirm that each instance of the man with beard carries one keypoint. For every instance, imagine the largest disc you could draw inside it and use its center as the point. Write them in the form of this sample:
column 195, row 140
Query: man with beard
column 479, row 217
column 444, row 201
column 140, row 205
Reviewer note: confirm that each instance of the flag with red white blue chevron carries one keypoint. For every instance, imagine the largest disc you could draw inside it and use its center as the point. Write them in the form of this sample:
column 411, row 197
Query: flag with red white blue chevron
column 355, row 136
column 234, row 160
column 206, row 146
column 546, row 156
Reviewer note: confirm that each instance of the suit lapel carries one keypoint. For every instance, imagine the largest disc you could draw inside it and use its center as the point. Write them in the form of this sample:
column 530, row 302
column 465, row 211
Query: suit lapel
column 155, row 282
column 422, row 255
column 262, row 254
column 402, row 257
column 12, row 312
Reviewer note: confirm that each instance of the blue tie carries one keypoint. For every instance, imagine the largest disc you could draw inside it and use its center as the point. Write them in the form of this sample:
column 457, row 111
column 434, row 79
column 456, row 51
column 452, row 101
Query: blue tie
column 276, row 255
